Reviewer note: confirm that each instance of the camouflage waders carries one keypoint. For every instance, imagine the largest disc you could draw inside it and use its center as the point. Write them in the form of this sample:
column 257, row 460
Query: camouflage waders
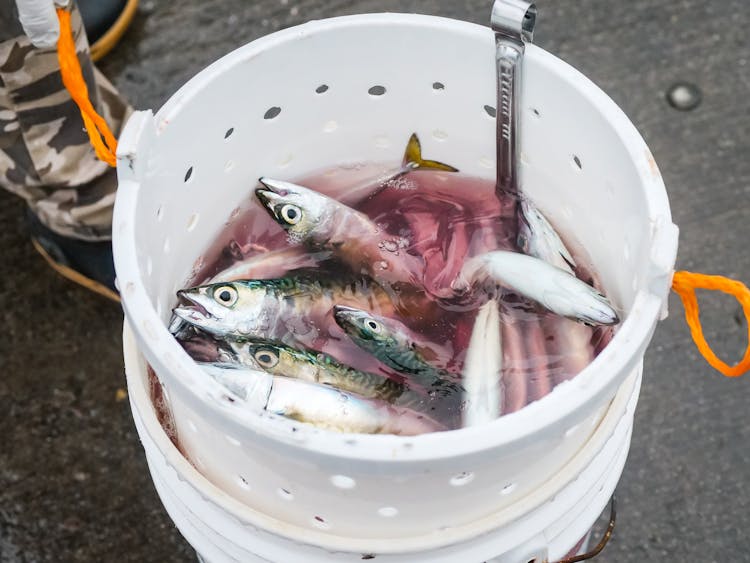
column 45, row 155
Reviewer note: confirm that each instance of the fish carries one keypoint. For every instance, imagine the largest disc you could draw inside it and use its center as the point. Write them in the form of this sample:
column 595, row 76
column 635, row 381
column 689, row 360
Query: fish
column 411, row 162
column 319, row 405
column 270, row 264
column 569, row 348
column 553, row 288
column 323, row 223
column 514, row 353
column 567, row 344
column 482, row 369
column 286, row 308
column 391, row 342
column 280, row 359
column 537, row 238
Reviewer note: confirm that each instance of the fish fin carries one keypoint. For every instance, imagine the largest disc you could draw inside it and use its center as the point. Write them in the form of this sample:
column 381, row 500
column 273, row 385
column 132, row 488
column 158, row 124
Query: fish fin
column 427, row 353
column 413, row 158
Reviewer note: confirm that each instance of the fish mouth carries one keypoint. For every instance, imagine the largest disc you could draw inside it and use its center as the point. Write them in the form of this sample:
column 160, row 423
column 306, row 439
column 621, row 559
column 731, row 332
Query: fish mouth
column 194, row 298
column 273, row 193
column 277, row 187
column 201, row 311
column 192, row 315
column 344, row 316
column 598, row 312
column 267, row 198
column 347, row 318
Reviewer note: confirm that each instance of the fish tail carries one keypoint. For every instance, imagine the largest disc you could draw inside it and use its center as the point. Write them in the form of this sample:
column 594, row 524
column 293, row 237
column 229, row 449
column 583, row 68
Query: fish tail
column 414, row 161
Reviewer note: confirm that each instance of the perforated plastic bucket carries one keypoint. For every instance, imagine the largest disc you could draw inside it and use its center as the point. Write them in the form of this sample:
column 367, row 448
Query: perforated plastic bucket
column 534, row 480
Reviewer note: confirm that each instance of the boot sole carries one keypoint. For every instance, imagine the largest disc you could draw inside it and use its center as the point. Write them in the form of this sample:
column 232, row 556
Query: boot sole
column 76, row 277
column 112, row 37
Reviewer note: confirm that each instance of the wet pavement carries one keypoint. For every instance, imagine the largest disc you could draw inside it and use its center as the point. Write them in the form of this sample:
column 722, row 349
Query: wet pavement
column 73, row 480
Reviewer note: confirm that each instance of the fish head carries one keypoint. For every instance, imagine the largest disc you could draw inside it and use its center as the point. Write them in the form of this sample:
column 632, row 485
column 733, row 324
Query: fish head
column 296, row 209
column 594, row 309
column 259, row 355
column 362, row 325
column 537, row 237
column 227, row 308
column 525, row 222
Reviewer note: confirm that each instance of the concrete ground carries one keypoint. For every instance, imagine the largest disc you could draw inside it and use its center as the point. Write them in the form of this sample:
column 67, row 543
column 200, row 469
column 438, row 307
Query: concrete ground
column 73, row 480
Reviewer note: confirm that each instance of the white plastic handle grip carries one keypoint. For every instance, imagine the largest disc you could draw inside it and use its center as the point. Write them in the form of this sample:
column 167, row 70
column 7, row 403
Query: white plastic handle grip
column 39, row 21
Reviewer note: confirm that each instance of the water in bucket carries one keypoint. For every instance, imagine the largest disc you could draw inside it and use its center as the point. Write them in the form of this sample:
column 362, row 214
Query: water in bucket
column 427, row 222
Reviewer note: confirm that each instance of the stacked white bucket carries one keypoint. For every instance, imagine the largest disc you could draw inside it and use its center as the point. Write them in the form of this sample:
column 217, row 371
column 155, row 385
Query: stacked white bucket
column 527, row 486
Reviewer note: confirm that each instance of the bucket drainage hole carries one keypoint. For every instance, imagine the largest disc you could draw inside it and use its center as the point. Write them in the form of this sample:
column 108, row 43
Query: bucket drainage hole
column 343, row 482
column 490, row 111
column 193, row 221
column 322, row 89
column 272, row 112
column 285, row 494
column 438, row 86
column 320, row 522
column 577, row 162
column 243, row 482
column 507, row 489
column 188, row 174
column 229, row 132
column 536, row 112
column 376, row 91
column 462, row 479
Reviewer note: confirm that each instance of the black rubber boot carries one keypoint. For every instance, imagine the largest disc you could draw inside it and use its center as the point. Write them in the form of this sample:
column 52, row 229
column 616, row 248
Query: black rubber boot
column 86, row 263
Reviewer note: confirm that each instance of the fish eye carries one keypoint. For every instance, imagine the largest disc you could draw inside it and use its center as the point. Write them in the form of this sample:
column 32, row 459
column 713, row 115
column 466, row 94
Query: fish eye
column 266, row 358
column 226, row 295
column 373, row 325
column 291, row 214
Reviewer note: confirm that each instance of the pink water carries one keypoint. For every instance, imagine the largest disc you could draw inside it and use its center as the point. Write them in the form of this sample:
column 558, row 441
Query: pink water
column 431, row 221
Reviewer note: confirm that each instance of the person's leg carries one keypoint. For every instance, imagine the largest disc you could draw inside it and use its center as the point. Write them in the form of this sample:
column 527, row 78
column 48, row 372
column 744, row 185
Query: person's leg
column 45, row 155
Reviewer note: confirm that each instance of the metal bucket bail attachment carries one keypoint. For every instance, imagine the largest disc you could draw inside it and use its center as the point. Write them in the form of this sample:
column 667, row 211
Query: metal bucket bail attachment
column 513, row 22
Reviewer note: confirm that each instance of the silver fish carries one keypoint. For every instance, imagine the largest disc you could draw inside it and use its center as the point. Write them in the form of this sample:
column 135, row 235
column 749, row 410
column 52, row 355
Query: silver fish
column 323, row 223
column 555, row 289
column 568, row 344
column 482, row 369
column 284, row 308
column 320, row 405
column 270, row 264
column 392, row 343
column 315, row 367
column 537, row 238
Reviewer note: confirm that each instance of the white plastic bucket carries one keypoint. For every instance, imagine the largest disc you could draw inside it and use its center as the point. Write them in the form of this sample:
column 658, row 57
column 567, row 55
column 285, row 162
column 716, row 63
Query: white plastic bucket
column 485, row 491
column 541, row 526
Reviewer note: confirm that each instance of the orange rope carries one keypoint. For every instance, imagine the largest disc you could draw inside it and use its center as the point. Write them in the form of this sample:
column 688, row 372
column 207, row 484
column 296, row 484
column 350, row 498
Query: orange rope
column 72, row 78
column 685, row 284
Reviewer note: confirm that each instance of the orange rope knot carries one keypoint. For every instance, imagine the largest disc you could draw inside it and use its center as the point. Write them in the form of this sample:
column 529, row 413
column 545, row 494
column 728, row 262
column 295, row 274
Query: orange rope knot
column 685, row 284
column 102, row 139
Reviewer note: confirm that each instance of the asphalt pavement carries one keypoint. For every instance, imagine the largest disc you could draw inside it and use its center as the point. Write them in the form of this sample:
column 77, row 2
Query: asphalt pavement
column 73, row 479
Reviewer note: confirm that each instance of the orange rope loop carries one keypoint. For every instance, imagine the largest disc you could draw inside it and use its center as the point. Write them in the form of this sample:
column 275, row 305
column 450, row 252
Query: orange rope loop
column 102, row 139
column 685, row 284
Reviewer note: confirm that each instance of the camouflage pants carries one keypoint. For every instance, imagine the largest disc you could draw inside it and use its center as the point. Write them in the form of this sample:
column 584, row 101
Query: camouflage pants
column 45, row 155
